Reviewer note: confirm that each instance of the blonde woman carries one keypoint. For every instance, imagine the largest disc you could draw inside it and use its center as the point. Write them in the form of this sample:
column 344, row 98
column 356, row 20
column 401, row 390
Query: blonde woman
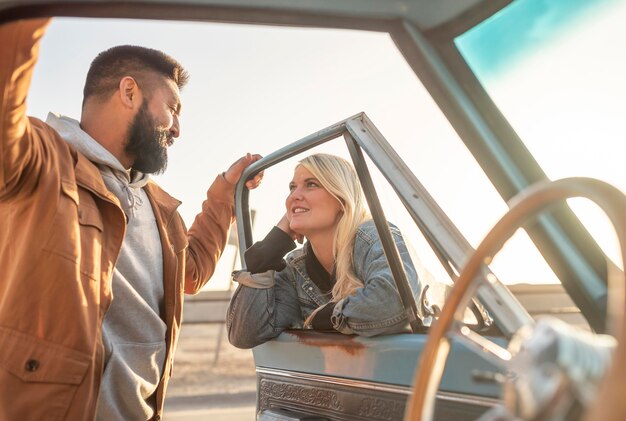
column 339, row 280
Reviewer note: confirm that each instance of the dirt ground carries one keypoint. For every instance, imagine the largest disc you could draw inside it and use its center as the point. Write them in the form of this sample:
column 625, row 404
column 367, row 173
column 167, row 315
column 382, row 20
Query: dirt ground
column 210, row 377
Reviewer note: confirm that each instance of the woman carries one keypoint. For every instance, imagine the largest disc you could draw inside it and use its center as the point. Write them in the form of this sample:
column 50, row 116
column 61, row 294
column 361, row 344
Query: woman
column 339, row 280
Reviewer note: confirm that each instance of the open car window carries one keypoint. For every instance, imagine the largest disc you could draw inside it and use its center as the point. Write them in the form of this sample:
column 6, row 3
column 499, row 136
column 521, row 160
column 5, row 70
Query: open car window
column 236, row 77
column 445, row 241
column 246, row 69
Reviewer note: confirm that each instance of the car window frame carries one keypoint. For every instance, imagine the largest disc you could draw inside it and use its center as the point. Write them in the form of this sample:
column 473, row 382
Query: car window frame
column 449, row 245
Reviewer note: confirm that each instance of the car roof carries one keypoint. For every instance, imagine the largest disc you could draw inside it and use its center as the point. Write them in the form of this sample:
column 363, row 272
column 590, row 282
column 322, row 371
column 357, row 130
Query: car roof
column 356, row 14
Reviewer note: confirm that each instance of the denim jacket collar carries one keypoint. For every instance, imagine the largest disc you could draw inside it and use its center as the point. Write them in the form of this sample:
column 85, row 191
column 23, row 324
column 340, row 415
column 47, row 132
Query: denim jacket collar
column 297, row 260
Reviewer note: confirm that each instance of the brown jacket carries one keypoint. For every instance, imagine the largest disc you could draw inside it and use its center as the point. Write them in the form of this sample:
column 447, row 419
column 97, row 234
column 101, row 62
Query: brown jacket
column 60, row 234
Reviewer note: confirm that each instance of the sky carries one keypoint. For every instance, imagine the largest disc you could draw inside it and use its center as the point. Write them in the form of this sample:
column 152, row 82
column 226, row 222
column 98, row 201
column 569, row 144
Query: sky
column 255, row 89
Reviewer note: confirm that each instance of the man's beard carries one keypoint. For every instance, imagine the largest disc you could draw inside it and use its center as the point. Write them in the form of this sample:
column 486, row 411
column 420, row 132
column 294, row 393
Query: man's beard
column 147, row 143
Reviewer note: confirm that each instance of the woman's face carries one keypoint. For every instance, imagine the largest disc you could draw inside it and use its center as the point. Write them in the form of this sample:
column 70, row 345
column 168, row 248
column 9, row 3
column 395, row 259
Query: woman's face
column 311, row 210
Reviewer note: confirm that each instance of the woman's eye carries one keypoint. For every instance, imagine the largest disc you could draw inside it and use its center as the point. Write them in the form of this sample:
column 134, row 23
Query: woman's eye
column 312, row 184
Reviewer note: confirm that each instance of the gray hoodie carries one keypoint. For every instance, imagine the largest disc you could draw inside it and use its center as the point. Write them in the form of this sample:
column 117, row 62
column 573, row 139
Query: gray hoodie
column 133, row 332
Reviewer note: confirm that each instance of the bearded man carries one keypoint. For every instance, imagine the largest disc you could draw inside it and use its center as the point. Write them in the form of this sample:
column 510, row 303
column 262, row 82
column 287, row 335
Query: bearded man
column 94, row 257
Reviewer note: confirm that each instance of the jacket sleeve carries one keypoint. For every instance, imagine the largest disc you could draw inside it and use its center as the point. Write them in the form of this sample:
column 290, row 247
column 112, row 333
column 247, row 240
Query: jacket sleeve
column 21, row 160
column 375, row 308
column 262, row 307
column 208, row 234
column 268, row 253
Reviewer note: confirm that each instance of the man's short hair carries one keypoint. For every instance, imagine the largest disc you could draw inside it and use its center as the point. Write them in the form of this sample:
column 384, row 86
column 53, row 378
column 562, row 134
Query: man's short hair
column 141, row 63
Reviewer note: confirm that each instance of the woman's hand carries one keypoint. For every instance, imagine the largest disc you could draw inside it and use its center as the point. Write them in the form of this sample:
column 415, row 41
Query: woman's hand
column 283, row 224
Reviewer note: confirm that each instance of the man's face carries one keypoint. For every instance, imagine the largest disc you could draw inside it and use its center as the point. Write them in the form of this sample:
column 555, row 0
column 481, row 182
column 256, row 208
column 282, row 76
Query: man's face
column 153, row 130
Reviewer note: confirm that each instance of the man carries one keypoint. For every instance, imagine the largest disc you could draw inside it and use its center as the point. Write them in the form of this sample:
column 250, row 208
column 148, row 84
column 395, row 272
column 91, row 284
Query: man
column 94, row 257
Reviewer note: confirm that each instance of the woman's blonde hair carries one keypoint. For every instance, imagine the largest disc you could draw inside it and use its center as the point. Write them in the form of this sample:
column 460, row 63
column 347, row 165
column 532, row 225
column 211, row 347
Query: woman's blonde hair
column 339, row 178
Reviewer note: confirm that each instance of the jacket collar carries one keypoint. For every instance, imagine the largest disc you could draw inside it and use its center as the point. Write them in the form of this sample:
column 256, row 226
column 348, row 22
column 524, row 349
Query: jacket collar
column 165, row 203
column 89, row 177
column 297, row 260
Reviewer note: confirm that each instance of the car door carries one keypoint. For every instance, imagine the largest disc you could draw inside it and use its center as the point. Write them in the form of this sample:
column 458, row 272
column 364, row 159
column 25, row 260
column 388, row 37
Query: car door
column 304, row 373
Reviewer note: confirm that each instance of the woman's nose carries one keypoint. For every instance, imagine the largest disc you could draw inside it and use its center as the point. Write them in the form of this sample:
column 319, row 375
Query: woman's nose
column 296, row 193
column 294, row 196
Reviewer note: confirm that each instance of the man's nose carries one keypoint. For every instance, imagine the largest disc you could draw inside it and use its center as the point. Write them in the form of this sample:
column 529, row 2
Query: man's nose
column 175, row 129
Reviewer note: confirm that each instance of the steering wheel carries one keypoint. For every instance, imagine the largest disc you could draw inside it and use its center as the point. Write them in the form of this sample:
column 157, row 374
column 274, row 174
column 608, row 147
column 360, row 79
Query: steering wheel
column 610, row 404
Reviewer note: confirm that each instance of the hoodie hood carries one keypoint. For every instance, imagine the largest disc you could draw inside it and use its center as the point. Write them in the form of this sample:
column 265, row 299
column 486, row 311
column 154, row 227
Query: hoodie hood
column 115, row 176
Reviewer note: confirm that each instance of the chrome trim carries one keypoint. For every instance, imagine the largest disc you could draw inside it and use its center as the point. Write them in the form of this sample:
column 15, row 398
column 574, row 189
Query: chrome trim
column 390, row 388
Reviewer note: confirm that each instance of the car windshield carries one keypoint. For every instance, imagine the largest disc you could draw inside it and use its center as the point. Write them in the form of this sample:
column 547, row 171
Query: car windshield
column 555, row 70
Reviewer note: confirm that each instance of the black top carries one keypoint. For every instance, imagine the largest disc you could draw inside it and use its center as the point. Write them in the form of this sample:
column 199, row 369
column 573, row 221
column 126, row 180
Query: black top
column 324, row 280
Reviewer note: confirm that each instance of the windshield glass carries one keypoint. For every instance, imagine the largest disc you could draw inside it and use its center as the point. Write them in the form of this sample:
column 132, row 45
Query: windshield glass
column 555, row 68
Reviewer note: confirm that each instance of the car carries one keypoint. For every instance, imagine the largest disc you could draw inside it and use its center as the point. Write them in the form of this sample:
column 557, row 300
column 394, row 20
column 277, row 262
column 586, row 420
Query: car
column 460, row 51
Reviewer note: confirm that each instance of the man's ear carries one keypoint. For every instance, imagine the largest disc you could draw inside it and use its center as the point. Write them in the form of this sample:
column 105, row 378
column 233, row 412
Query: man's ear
column 129, row 92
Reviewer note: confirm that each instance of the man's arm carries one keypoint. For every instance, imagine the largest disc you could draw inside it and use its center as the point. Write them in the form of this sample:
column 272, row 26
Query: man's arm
column 209, row 232
column 19, row 162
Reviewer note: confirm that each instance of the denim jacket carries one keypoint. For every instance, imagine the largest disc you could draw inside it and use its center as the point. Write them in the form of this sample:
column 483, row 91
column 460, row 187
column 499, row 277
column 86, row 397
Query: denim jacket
column 267, row 303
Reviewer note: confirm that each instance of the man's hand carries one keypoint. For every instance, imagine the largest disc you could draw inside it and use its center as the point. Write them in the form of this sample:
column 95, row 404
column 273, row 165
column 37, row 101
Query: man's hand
column 283, row 224
column 233, row 174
